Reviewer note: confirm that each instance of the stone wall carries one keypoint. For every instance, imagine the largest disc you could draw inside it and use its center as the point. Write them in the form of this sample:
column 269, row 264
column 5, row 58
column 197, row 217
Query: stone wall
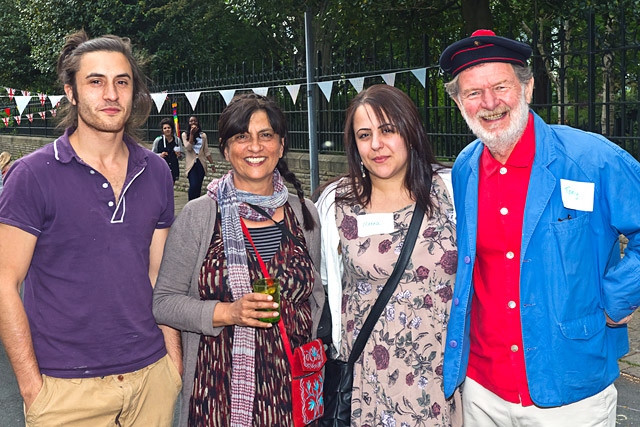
column 329, row 165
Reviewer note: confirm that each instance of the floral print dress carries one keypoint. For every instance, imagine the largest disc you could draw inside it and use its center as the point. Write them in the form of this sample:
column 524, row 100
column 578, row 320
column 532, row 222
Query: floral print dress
column 398, row 378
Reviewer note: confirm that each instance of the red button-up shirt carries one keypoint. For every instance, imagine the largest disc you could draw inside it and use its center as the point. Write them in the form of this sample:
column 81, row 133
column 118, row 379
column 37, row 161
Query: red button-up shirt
column 496, row 360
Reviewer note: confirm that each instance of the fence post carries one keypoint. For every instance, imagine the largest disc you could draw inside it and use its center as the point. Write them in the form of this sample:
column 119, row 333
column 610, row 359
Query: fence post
column 313, row 137
column 591, row 73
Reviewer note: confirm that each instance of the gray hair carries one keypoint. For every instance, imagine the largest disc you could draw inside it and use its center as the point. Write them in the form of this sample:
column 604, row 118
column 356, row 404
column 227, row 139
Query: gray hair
column 524, row 74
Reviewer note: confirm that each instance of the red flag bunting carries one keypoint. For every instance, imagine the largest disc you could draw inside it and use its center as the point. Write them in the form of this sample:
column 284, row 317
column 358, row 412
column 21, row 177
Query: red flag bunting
column 17, row 119
column 26, row 93
column 43, row 114
column 43, row 98
column 11, row 93
column 30, row 117
column 6, row 121
column 7, row 111
column 53, row 112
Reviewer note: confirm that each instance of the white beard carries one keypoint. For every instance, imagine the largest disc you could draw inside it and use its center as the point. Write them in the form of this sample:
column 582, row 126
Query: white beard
column 501, row 144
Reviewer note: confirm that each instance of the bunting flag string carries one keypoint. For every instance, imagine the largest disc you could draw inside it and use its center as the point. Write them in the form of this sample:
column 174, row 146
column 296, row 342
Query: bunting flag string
column 193, row 98
column 262, row 91
column 159, row 98
column 55, row 100
column 293, row 92
column 6, row 121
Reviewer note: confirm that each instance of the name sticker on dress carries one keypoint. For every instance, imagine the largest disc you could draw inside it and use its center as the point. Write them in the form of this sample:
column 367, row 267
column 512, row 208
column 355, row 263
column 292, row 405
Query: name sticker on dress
column 377, row 223
column 577, row 195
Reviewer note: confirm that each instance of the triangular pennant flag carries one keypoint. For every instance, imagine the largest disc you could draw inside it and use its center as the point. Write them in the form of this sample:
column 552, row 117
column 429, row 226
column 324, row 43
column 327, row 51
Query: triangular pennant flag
column 55, row 100
column 293, row 91
column 21, row 102
column 262, row 91
column 43, row 98
column 326, row 88
column 6, row 121
column 53, row 112
column 7, row 111
column 30, row 117
column 421, row 75
column 389, row 79
column 358, row 83
column 26, row 93
column 159, row 99
column 227, row 95
column 11, row 93
column 193, row 98
column 43, row 114
column 17, row 119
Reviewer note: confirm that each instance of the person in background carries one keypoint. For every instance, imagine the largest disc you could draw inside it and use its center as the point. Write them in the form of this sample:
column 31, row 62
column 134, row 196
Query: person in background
column 167, row 146
column 5, row 162
column 542, row 295
column 392, row 169
column 196, row 148
column 204, row 285
column 83, row 222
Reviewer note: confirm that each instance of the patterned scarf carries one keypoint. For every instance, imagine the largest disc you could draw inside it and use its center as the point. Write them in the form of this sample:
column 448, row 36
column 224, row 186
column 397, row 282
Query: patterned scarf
column 231, row 203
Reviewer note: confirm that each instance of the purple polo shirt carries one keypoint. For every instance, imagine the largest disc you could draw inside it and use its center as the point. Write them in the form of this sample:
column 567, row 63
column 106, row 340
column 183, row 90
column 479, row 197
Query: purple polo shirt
column 87, row 293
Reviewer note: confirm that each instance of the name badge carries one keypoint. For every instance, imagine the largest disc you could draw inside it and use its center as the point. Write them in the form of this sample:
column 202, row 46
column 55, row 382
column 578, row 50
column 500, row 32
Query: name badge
column 377, row 223
column 577, row 195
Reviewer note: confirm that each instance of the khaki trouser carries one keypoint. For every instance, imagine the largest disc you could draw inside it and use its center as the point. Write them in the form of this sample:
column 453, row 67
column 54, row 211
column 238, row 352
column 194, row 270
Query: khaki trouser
column 142, row 398
column 482, row 408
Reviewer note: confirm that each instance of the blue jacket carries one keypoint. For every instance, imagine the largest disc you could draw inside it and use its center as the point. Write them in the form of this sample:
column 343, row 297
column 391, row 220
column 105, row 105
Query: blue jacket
column 571, row 271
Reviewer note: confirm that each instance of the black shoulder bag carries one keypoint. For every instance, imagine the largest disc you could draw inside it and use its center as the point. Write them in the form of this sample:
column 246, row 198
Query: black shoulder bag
column 338, row 373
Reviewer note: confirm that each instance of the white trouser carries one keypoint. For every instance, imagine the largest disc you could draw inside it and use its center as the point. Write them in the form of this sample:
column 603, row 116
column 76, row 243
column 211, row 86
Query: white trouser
column 482, row 408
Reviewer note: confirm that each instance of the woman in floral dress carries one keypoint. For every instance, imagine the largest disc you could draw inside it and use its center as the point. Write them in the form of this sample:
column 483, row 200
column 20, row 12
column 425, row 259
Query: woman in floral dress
column 365, row 216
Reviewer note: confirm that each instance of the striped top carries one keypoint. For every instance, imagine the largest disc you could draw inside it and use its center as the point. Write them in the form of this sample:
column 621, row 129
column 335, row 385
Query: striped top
column 266, row 239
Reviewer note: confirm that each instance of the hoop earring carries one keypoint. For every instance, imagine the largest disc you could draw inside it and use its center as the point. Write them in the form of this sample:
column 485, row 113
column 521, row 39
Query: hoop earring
column 362, row 170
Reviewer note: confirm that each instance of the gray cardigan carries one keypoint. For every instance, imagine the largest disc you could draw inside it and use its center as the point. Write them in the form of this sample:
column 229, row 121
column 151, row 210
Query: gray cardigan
column 176, row 298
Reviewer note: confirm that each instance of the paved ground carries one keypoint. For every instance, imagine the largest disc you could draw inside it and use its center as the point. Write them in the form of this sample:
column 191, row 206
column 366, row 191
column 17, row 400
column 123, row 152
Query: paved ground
column 628, row 384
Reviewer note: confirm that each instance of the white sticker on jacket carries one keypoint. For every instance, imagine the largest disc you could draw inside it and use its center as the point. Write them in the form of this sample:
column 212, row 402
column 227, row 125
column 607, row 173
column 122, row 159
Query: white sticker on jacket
column 377, row 223
column 577, row 195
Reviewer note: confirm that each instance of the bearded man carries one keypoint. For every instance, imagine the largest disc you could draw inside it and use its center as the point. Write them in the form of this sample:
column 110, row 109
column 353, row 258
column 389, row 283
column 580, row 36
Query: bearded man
column 542, row 295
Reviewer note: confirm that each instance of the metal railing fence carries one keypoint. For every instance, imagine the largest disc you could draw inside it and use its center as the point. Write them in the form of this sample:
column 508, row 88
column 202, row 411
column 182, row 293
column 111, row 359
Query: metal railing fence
column 588, row 78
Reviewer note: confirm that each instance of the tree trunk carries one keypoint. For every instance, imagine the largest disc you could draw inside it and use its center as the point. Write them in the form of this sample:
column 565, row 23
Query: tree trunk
column 476, row 15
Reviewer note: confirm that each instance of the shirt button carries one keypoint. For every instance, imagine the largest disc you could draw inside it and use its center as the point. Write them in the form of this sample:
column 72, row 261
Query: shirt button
column 105, row 185
column 92, row 172
column 456, row 301
column 110, row 204
column 510, row 255
column 512, row 304
column 503, row 170
column 467, row 259
column 453, row 344
column 504, row 211
column 514, row 348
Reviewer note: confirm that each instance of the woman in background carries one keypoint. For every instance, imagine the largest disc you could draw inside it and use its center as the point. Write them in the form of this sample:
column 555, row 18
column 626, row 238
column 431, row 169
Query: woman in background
column 196, row 148
column 392, row 168
column 236, row 370
column 167, row 146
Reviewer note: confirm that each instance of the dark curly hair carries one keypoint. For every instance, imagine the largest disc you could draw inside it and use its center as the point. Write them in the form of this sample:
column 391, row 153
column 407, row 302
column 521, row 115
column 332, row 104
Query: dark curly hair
column 235, row 119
